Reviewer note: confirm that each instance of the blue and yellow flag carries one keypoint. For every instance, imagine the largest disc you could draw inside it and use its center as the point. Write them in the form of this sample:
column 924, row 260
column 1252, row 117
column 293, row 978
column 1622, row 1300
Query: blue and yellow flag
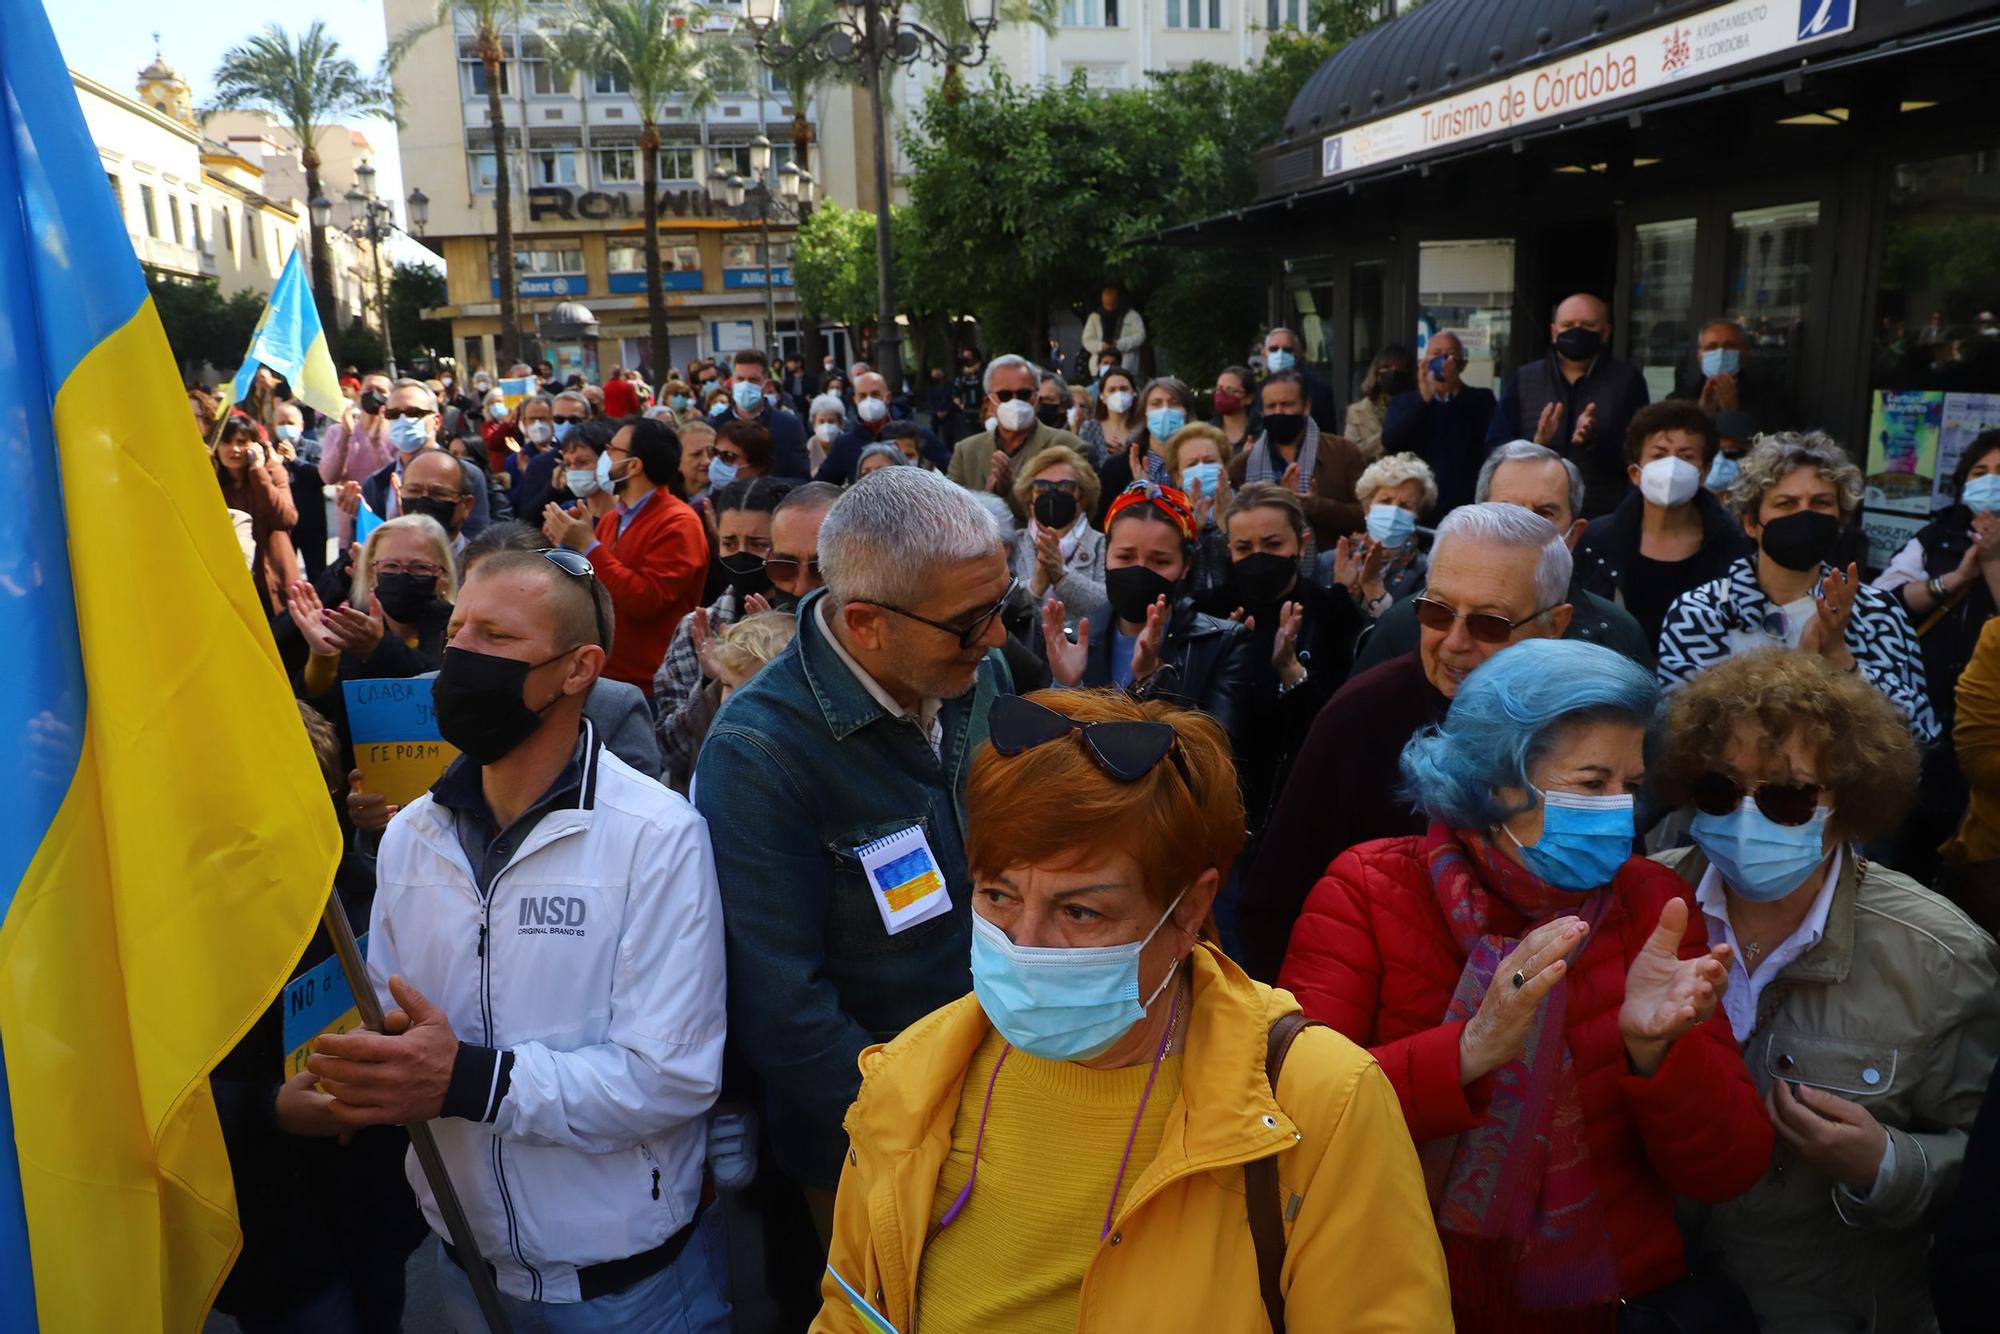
column 166, row 840
column 289, row 340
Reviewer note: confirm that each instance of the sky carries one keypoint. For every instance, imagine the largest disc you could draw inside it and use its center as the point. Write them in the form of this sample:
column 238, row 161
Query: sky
column 112, row 40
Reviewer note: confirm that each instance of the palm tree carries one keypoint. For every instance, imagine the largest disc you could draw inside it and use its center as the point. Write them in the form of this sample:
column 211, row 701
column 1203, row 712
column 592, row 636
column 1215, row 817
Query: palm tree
column 808, row 72
column 661, row 50
column 308, row 85
column 486, row 20
column 948, row 20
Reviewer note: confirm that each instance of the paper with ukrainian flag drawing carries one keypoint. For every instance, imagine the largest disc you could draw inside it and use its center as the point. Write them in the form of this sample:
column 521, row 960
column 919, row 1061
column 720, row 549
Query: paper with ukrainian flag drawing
column 872, row 1320
column 166, row 837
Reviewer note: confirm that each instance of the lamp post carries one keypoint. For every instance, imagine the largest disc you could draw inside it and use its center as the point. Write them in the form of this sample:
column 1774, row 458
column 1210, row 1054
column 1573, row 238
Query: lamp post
column 419, row 205
column 871, row 36
column 372, row 220
column 754, row 198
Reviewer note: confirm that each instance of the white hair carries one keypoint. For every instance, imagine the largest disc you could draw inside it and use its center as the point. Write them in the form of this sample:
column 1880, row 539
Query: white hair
column 1391, row 471
column 1518, row 527
column 1527, row 451
column 826, row 403
column 895, row 531
column 430, row 394
column 1009, row 362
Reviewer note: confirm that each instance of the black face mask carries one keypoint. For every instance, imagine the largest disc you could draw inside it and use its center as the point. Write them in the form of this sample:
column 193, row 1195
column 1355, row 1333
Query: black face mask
column 1052, row 414
column 1261, row 578
column 746, row 573
column 444, row 511
column 1396, row 382
column 1800, row 541
column 371, row 402
column 1133, row 588
column 1579, row 344
column 1284, row 428
column 1055, row 510
column 479, row 705
column 405, row 597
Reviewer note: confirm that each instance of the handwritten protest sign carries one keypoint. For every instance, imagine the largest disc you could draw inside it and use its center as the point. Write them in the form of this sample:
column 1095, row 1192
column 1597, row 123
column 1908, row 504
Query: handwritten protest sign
column 396, row 741
column 317, row 1001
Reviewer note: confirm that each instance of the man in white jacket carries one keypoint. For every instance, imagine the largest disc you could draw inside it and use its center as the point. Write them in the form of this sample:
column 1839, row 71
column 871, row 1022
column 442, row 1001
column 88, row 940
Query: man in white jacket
column 548, row 928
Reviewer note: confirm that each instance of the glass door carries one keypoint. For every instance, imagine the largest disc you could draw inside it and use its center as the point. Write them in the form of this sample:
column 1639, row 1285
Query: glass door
column 1467, row 288
column 1660, row 314
column 1769, row 270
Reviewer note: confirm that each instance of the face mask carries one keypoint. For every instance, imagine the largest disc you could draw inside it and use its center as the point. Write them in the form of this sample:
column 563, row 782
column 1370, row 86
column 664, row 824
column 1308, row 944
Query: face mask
column 1669, row 482
column 499, row 412
column 1578, row 344
column 1055, row 511
column 1280, row 360
column 678, row 402
column 1800, row 541
column 582, row 481
column 1203, row 476
column 1263, row 577
column 290, row 434
column 1284, row 428
column 371, row 402
column 404, row 597
column 746, row 573
column 747, row 396
column 1161, row 423
column 720, row 473
column 1982, row 494
column 539, row 433
column 1016, row 414
column 1759, row 858
column 1119, row 401
column 871, row 410
column 482, row 384
column 992, row 424
column 1051, row 414
column 1584, row 840
column 446, row 381
column 1720, row 361
column 409, row 434
column 1061, row 1004
column 1228, row 404
column 1723, row 472
column 479, row 706
column 564, row 430
column 1396, row 382
column 720, row 408
column 827, row 432
column 444, row 511
column 1391, row 525
column 1134, row 588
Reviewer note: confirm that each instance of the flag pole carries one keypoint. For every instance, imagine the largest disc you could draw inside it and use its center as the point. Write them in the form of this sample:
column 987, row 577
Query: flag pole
column 334, row 918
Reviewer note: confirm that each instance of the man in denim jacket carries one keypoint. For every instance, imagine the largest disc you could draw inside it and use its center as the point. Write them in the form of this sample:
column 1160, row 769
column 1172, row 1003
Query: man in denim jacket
column 862, row 729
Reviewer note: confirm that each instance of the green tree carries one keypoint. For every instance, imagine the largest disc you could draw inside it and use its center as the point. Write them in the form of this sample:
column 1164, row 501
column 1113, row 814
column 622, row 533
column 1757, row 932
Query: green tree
column 833, row 264
column 663, row 51
column 203, row 326
column 413, row 288
column 809, row 71
column 310, row 87
column 486, row 20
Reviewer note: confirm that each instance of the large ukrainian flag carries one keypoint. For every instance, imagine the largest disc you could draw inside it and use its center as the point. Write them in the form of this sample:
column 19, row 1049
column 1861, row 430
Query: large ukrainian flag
column 165, row 838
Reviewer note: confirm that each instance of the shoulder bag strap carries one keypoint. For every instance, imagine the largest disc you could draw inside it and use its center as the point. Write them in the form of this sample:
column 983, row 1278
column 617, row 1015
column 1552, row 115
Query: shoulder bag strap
column 1260, row 1184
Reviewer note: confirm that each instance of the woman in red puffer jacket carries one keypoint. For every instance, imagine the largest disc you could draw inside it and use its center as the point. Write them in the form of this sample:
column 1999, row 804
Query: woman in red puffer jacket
column 1545, row 1004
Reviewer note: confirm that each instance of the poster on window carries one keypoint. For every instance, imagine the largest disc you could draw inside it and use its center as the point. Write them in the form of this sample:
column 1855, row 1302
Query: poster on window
column 1903, row 430
column 1965, row 417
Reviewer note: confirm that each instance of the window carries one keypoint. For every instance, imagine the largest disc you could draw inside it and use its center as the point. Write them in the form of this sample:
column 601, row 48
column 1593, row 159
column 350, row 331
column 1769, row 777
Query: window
column 174, row 217
column 617, row 165
column 473, row 74
column 1090, row 13
column 146, row 207
column 611, row 81
column 554, row 165
column 1770, row 279
column 1097, row 74
column 1659, row 326
column 730, row 157
column 250, row 230
column 228, row 231
column 1467, row 287
column 553, row 258
column 1281, row 13
column 541, row 76
column 1194, row 14
column 194, row 227
column 117, row 191
column 480, row 169
column 678, row 254
column 741, row 250
column 677, row 162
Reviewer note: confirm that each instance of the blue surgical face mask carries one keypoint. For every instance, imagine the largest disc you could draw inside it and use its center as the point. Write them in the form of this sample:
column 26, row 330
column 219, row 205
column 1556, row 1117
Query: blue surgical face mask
column 1060, row 1004
column 1163, row 422
column 290, row 434
column 582, row 481
column 1721, row 361
column 719, row 473
column 1280, row 361
column 1207, row 476
column 410, row 434
column 1391, row 525
column 564, row 430
column 719, row 408
column 1982, row 494
column 678, row 402
column 1722, row 473
column 1584, row 840
column 747, row 395
column 1755, row 855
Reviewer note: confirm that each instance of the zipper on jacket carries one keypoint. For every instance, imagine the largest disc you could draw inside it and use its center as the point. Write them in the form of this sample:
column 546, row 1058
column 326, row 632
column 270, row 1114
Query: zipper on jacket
column 499, row 1160
column 482, row 940
column 656, row 1183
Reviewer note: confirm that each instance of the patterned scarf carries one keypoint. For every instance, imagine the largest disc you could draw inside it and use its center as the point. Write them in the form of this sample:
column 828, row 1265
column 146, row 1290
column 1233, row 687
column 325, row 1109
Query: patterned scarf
column 1514, row 1197
column 1265, row 464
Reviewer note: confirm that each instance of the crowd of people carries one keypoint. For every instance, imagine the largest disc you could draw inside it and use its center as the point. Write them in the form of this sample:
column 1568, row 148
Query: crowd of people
column 1489, row 858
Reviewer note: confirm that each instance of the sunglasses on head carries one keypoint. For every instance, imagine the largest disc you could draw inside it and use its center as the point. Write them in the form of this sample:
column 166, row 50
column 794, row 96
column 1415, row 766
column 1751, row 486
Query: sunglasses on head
column 1126, row 751
column 393, row 413
column 1781, row 803
column 1485, row 626
column 573, row 563
column 967, row 634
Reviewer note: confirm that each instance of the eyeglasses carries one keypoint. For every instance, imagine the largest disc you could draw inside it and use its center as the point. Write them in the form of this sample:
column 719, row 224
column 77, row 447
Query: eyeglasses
column 573, row 563
column 967, row 634
column 1008, row 395
column 418, row 413
column 1042, row 486
column 1783, row 803
column 447, row 497
column 1485, row 626
column 568, row 421
column 787, row 567
column 422, row 569
column 729, row 456
column 1126, row 751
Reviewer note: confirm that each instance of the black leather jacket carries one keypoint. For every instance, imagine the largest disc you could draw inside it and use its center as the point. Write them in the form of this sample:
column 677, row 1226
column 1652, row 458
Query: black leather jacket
column 1205, row 664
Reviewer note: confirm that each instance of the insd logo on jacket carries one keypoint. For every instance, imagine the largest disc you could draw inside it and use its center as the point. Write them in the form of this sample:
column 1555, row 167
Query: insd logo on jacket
column 551, row 915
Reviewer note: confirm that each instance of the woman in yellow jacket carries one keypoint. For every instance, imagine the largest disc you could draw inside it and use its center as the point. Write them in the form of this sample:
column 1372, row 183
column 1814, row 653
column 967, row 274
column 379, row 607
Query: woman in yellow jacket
column 1091, row 1140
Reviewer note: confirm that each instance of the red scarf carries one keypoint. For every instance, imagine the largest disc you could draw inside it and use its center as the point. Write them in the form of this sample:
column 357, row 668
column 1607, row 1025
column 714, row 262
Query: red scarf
column 1515, row 1201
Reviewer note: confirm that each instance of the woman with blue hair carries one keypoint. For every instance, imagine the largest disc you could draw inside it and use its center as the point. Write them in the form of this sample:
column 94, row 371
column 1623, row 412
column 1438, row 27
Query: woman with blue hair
column 1543, row 1001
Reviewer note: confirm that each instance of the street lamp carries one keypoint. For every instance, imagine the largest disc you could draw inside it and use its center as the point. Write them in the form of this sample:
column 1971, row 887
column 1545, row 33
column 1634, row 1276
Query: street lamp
column 373, row 220
column 869, row 35
column 321, row 209
column 420, row 210
column 754, row 198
